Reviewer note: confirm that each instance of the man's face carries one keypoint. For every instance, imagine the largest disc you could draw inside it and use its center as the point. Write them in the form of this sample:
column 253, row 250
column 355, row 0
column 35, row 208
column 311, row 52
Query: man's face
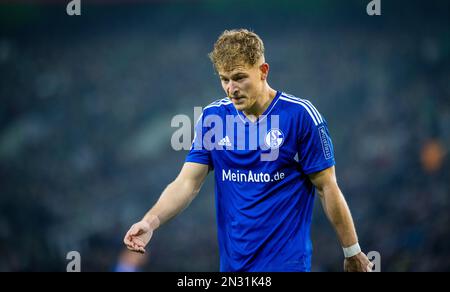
column 243, row 84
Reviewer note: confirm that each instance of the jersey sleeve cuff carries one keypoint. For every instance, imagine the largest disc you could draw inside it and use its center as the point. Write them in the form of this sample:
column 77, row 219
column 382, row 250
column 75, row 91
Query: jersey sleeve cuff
column 198, row 160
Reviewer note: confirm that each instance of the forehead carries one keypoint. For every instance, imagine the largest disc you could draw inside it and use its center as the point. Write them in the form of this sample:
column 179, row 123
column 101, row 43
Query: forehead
column 235, row 69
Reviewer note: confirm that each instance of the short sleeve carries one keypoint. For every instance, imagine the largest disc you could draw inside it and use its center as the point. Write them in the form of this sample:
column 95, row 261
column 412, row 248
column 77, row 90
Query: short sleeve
column 315, row 148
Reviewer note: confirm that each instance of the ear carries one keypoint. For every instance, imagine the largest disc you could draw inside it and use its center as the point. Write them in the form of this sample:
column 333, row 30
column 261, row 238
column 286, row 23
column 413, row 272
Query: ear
column 264, row 71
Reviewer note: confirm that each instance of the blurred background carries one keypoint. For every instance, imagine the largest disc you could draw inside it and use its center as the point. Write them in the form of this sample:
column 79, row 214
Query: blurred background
column 86, row 104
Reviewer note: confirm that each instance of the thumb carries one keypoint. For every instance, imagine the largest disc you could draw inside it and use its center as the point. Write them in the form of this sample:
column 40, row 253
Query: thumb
column 135, row 230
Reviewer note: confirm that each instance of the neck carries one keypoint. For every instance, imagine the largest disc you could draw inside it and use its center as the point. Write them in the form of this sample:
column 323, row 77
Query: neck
column 261, row 103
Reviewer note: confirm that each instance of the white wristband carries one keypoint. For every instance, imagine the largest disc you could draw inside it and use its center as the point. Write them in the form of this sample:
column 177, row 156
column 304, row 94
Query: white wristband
column 352, row 250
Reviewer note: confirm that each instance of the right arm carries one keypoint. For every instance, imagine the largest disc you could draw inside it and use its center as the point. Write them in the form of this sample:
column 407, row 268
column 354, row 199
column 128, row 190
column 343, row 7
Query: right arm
column 174, row 199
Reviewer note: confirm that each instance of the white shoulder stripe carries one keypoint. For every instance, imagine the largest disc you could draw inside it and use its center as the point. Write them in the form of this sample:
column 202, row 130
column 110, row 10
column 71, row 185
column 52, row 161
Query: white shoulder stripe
column 320, row 119
column 218, row 104
column 309, row 104
column 302, row 104
column 311, row 111
column 225, row 99
column 316, row 113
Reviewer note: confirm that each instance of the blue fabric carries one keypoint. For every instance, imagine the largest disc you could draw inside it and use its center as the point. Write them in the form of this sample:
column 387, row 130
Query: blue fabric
column 264, row 206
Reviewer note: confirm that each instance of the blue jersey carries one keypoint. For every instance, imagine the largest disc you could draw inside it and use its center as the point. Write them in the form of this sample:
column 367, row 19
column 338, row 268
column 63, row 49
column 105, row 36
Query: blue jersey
column 264, row 199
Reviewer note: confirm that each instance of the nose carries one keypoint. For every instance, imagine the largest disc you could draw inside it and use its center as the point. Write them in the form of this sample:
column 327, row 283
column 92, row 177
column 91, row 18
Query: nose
column 232, row 89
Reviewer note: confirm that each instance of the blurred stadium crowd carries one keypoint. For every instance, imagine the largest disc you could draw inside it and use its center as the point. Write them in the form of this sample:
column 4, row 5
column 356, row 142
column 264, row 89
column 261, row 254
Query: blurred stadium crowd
column 86, row 106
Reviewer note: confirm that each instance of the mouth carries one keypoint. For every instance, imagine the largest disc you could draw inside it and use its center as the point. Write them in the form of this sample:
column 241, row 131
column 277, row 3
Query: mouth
column 237, row 98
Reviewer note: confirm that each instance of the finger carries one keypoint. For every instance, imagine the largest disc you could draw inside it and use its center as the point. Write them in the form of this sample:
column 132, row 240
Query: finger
column 131, row 248
column 128, row 243
column 137, row 249
column 137, row 243
column 134, row 247
column 129, row 234
column 131, row 245
column 127, row 239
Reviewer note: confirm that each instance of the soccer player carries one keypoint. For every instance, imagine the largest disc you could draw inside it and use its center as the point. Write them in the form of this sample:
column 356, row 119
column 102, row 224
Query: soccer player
column 265, row 190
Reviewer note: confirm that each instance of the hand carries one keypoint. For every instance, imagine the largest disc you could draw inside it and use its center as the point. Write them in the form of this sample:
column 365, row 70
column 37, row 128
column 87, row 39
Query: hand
column 138, row 236
column 358, row 263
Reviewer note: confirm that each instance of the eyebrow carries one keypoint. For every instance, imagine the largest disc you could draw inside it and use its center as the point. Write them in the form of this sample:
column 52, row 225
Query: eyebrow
column 238, row 74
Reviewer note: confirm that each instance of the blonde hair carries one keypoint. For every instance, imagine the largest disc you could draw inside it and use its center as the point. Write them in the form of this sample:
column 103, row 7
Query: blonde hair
column 236, row 47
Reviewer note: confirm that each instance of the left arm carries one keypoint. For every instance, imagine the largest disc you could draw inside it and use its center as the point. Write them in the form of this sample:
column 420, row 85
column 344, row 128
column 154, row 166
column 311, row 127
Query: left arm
column 339, row 215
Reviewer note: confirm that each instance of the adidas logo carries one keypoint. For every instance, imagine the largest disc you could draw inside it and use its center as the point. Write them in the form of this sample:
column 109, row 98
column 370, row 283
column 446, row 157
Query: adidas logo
column 225, row 142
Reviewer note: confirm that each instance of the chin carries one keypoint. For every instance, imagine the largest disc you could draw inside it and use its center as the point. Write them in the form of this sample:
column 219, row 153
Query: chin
column 240, row 107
